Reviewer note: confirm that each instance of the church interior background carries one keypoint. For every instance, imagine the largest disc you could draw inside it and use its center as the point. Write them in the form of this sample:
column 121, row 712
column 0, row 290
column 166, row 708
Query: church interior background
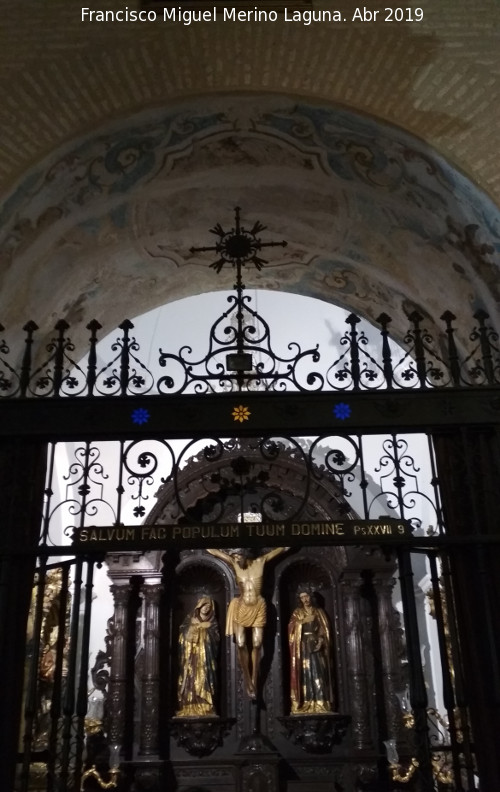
column 155, row 410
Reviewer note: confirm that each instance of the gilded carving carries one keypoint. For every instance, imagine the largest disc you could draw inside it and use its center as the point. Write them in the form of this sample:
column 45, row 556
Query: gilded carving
column 309, row 640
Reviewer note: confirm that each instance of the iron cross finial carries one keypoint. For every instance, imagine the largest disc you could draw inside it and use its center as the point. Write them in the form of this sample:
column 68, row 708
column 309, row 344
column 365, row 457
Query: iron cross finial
column 239, row 246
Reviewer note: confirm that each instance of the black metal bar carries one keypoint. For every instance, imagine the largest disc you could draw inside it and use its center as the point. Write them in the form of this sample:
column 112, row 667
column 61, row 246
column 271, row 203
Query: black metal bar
column 459, row 682
column 59, row 564
column 448, row 692
column 119, row 488
column 69, row 697
column 93, row 326
column 82, row 697
column 477, row 501
column 299, row 414
column 24, row 379
column 32, row 680
column 363, row 480
column 61, row 327
column 55, row 710
column 418, row 693
column 435, row 487
column 422, row 544
column 490, row 625
column 68, row 707
column 453, row 360
column 125, row 356
column 481, row 317
column 416, row 318
column 5, row 383
column 48, row 492
column 385, row 320
column 352, row 320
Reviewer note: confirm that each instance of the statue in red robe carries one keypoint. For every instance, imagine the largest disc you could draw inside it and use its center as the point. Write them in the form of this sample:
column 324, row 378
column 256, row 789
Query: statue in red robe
column 309, row 639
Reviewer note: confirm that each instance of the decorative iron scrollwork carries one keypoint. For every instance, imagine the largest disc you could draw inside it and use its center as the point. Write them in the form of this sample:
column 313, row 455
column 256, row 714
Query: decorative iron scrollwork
column 240, row 354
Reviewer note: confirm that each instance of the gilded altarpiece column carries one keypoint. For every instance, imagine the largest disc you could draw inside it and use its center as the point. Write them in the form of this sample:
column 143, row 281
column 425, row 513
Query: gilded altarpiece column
column 151, row 672
column 117, row 676
column 351, row 584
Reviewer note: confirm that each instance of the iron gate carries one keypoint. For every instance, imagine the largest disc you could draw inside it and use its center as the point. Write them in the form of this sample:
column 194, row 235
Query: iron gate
column 285, row 445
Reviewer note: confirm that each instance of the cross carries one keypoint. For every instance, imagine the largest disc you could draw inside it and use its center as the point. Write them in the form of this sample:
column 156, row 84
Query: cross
column 239, row 246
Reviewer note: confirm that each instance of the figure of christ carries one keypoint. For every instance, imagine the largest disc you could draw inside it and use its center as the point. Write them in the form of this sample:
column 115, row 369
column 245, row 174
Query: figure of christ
column 248, row 611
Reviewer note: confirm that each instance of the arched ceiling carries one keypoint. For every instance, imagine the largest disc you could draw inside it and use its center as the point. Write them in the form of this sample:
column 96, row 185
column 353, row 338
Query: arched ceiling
column 439, row 79
column 124, row 143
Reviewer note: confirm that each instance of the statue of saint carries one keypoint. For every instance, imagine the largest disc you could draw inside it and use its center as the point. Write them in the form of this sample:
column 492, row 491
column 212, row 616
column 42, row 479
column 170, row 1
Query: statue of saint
column 248, row 610
column 198, row 650
column 310, row 649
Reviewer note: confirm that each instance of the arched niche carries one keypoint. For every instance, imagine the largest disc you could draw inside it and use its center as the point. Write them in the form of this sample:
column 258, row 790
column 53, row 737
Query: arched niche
column 317, row 571
column 196, row 576
column 353, row 586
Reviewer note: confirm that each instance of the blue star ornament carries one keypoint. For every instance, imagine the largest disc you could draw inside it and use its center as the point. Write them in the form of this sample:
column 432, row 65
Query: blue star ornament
column 140, row 416
column 342, row 411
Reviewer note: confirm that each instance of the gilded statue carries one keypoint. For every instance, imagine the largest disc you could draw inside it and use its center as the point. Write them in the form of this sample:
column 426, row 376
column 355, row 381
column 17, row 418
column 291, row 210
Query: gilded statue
column 309, row 640
column 248, row 610
column 198, row 653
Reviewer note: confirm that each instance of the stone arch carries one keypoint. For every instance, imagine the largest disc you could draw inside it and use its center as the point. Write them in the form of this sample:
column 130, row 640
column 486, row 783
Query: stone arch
column 375, row 220
column 437, row 77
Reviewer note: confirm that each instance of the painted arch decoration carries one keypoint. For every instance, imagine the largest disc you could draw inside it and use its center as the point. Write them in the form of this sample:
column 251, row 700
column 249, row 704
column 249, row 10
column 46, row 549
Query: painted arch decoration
column 375, row 220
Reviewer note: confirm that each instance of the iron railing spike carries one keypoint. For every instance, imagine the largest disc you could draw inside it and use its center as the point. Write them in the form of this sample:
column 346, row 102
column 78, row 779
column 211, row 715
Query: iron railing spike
column 448, row 317
column 24, row 380
column 30, row 326
column 484, row 341
column 355, row 368
column 353, row 320
column 61, row 324
column 93, row 326
column 126, row 325
column 125, row 356
column 481, row 315
column 416, row 317
column 384, row 320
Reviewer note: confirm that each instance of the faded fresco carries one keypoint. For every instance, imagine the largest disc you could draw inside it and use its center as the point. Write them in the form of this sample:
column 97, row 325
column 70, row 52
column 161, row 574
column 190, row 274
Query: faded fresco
column 375, row 221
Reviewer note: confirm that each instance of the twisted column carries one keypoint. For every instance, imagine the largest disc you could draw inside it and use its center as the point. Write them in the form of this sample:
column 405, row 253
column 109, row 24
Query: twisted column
column 117, row 675
column 389, row 652
column 351, row 584
column 148, row 743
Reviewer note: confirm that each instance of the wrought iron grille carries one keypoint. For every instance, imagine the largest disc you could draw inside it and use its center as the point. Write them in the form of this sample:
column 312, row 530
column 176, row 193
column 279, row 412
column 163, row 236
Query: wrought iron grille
column 244, row 360
column 240, row 354
column 155, row 482
column 211, row 480
column 206, row 479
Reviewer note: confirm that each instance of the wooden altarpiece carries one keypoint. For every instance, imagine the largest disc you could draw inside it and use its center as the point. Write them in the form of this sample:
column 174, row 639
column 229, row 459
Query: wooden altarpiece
column 253, row 745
